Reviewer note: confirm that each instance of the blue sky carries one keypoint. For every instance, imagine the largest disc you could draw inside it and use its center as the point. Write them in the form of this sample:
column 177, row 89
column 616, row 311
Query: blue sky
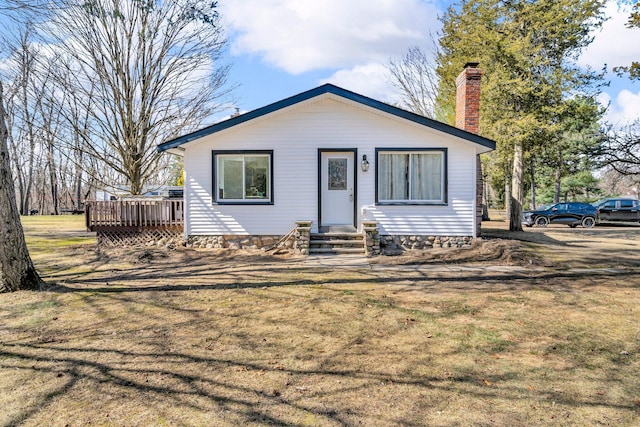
column 282, row 47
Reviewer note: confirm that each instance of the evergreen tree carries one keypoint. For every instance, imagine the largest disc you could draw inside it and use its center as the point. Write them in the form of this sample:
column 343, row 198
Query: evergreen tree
column 573, row 150
column 527, row 50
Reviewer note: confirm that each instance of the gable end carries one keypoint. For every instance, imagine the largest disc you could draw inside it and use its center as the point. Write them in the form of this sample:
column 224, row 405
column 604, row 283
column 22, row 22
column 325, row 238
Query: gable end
column 320, row 90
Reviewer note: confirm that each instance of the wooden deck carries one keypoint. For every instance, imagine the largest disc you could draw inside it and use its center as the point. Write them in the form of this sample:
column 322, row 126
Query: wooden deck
column 134, row 215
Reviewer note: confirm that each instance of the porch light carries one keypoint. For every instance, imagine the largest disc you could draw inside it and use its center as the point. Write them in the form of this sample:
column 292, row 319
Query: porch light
column 364, row 164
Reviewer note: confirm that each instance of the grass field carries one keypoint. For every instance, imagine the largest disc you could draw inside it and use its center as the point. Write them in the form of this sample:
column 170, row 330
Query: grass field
column 157, row 337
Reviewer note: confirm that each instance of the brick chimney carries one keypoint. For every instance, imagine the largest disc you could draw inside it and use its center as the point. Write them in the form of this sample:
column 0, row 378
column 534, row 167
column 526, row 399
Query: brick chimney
column 468, row 118
column 468, row 98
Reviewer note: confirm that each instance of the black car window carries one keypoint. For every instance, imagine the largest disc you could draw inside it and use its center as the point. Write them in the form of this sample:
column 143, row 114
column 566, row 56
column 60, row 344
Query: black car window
column 610, row 204
column 626, row 203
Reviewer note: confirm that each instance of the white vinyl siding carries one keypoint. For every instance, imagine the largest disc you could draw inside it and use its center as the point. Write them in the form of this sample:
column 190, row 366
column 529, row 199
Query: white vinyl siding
column 295, row 135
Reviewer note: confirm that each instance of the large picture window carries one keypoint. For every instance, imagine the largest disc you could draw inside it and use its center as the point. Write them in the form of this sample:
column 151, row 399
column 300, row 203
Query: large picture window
column 243, row 177
column 411, row 177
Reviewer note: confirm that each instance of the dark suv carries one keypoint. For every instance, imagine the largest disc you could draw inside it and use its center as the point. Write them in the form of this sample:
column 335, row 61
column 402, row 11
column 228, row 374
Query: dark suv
column 618, row 209
column 570, row 213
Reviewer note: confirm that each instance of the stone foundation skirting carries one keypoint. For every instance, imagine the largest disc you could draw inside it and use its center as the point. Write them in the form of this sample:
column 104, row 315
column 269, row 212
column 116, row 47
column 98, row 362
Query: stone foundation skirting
column 297, row 241
column 395, row 244
column 236, row 242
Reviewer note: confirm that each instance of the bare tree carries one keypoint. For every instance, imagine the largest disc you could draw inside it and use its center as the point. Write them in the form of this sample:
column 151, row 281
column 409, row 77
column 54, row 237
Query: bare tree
column 49, row 113
column 151, row 70
column 24, row 108
column 17, row 271
column 33, row 104
column 416, row 81
column 613, row 183
column 16, row 268
column 78, row 122
column 621, row 150
column 142, row 72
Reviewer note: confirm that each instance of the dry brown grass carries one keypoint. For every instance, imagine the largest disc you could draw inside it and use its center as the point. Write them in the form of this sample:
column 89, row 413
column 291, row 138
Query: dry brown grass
column 216, row 338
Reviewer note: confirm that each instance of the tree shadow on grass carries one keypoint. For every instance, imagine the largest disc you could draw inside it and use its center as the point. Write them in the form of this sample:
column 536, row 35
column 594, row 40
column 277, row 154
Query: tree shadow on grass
column 426, row 280
column 299, row 391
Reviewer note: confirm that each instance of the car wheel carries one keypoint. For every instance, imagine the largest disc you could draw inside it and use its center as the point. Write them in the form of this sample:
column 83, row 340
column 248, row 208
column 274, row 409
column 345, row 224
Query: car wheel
column 588, row 221
column 541, row 221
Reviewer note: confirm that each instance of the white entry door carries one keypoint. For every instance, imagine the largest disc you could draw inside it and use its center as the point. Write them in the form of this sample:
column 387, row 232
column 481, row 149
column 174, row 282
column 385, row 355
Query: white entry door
column 337, row 188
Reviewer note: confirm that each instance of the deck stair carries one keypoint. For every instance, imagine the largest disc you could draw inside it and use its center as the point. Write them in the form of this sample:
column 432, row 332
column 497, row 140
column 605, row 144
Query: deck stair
column 335, row 243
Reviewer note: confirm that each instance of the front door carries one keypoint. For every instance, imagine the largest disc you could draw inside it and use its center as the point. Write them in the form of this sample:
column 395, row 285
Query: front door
column 337, row 188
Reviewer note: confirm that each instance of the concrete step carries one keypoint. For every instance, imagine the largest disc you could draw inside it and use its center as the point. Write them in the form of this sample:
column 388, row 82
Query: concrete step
column 336, row 251
column 346, row 236
column 336, row 242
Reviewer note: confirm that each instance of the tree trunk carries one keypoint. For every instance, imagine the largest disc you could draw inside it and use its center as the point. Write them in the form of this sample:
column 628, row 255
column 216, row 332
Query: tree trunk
column 485, row 190
column 557, row 179
column 78, row 184
column 507, row 193
column 14, row 155
column 53, row 180
column 533, row 187
column 16, row 268
column 515, row 214
column 26, row 207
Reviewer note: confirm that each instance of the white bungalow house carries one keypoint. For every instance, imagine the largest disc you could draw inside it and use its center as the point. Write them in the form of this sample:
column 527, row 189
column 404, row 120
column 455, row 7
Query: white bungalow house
column 329, row 160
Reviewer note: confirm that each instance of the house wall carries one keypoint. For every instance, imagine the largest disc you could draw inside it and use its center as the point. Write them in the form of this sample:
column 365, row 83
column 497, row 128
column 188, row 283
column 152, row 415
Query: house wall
column 295, row 134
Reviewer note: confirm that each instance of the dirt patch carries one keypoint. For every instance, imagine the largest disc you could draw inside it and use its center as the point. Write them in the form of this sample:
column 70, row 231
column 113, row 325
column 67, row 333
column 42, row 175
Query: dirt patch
column 610, row 246
column 560, row 247
column 557, row 246
column 495, row 251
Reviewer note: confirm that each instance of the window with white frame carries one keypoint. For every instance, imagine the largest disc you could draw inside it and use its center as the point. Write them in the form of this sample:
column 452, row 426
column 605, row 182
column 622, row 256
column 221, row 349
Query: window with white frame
column 243, row 177
column 411, row 176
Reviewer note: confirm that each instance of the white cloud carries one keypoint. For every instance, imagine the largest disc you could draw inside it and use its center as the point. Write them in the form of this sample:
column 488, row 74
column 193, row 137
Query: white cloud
column 370, row 80
column 304, row 35
column 623, row 109
column 615, row 44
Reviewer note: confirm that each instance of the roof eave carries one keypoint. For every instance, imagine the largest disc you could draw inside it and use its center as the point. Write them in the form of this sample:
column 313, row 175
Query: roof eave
column 320, row 90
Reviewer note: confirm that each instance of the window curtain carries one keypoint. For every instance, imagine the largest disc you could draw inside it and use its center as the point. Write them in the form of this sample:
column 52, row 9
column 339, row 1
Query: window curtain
column 392, row 176
column 426, row 176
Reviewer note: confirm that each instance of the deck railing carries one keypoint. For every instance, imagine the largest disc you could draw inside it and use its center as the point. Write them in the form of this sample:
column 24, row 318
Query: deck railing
column 134, row 214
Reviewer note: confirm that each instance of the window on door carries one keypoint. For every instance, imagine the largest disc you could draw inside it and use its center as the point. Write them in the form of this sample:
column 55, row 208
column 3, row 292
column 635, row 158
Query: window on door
column 411, row 177
column 243, row 177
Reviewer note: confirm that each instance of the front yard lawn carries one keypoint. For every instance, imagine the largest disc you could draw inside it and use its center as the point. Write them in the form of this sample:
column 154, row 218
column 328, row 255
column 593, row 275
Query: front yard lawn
column 158, row 337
